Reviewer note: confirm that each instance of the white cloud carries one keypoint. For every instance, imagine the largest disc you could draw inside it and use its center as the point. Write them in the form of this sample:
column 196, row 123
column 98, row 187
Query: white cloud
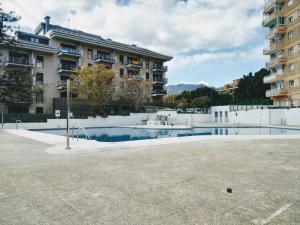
column 160, row 25
column 178, row 28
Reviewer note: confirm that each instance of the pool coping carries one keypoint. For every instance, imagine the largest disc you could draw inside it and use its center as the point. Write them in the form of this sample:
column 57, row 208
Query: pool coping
column 183, row 127
column 82, row 146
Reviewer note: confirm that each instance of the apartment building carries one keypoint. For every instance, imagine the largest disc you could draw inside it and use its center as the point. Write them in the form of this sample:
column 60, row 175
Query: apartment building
column 231, row 87
column 282, row 18
column 52, row 52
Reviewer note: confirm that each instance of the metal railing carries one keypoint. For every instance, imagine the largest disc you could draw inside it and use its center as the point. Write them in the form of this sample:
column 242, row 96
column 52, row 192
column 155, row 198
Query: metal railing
column 269, row 3
column 19, row 122
column 134, row 63
column 135, row 76
column 159, row 92
column 268, row 19
column 274, row 92
column 71, row 51
column 69, row 67
column 272, row 78
column 106, row 57
column 159, row 67
column 84, row 132
column 19, row 61
column 159, row 79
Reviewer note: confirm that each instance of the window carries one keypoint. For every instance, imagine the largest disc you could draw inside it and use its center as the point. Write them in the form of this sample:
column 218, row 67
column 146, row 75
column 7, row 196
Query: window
column 121, row 74
column 122, row 86
column 122, row 59
column 291, row 51
column 39, row 110
column 290, row 2
column 147, row 64
column 291, row 67
column 90, row 54
column 39, row 61
column 291, row 83
column 39, row 96
column 281, row 21
column 290, row 34
column 147, row 76
column 39, row 80
column 290, row 19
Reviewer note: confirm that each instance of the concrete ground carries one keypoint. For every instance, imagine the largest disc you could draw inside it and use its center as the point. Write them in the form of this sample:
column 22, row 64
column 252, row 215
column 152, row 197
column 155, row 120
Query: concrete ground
column 181, row 183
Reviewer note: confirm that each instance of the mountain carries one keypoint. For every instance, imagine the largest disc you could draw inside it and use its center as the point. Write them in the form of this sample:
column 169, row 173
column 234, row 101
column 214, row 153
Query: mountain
column 178, row 88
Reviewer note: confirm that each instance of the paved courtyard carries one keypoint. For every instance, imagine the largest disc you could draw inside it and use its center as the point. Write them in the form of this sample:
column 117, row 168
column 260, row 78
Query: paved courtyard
column 182, row 183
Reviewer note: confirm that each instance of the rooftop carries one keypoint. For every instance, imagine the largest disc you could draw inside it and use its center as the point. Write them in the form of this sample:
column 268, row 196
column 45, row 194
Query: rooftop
column 81, row 36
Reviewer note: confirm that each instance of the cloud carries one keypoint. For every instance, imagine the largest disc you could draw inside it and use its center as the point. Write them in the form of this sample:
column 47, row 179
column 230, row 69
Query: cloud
column 193, row 31
column 168, row 26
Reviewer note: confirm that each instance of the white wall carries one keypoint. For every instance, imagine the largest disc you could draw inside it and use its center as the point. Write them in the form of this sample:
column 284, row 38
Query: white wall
column 184, row 118
column 132, row 119
column 290, row 117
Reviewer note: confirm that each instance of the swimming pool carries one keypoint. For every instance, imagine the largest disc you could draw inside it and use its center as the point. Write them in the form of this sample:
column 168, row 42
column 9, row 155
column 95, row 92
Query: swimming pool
column 118, row 134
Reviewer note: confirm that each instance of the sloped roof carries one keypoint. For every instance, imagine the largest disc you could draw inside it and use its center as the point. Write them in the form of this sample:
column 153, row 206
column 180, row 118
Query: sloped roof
column 80, row 36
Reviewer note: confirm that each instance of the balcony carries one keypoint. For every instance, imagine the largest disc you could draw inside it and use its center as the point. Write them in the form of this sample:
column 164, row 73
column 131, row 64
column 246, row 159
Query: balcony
column 156, row 93
column 135, row 77
column 157, row 67
column 273, row 78
column 269, row 20
column 103, row 58
column 66, row 68
column 68, row 52
column 271, row 4
column 134, row 63
column 159, row 80
column 273, row 49
column 275, row 93
column 280, row 29
column 18, row 61
column 275, row 63
column 62, row 85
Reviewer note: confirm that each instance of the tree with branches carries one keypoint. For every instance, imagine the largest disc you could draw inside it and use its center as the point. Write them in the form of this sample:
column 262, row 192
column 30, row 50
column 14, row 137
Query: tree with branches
column 95, row 84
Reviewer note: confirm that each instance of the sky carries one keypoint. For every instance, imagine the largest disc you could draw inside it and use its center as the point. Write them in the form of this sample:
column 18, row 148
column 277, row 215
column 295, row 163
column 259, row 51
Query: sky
column 212, row 41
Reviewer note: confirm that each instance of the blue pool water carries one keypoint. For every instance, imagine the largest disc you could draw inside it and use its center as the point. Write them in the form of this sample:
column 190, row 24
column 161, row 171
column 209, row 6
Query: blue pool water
column 117, row 134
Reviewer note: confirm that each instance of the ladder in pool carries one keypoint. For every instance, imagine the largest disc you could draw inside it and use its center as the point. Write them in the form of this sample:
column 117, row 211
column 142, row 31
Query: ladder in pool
column 84, row 132
column 19, row 122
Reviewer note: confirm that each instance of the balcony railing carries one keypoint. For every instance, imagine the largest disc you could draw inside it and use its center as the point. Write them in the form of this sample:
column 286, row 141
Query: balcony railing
column 66, row 68
column 68, row 51
column 157, row 67
column 135, row 76
column 18, row 61
column 277, row 62
column 160, row 80
column 267, row 20
column 134, row 63
column 158, row 92
column 273, row 49
column 104, row 58
column 275, row 92
column 269, row 4
column 273, row 78
column 62, row 84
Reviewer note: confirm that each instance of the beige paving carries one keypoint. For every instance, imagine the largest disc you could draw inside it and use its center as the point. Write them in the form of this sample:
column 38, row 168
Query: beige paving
column 182, row 183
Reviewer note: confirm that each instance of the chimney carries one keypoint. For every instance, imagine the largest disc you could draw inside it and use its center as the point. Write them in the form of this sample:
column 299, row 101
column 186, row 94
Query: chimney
column 47, row 24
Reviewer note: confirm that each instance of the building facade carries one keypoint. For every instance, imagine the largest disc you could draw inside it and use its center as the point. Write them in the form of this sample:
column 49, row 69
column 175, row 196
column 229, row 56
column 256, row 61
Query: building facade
column 282, row 18
column 231, row 87
column 52, row 52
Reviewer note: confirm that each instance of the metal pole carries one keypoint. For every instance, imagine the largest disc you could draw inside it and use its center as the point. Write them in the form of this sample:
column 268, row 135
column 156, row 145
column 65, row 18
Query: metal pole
column 68, row 114
column 2, row 119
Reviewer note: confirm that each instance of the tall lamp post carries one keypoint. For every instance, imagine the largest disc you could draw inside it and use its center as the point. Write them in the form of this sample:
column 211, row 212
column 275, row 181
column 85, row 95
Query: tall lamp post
column 68, row 114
